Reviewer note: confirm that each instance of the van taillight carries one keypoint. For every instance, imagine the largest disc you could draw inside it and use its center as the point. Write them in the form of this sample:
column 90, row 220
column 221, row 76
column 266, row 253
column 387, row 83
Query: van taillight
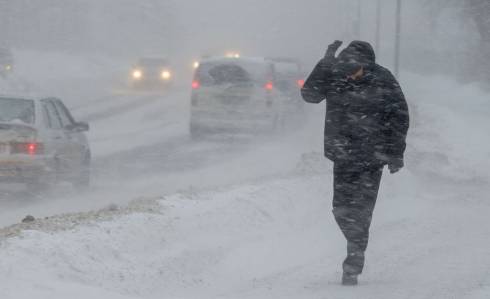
column 269, row 86
column 29, row 148
column 196, row 84
column 301, row 83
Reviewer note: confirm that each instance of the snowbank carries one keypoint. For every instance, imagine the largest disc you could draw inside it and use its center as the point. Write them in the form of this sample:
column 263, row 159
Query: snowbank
column 266, row 240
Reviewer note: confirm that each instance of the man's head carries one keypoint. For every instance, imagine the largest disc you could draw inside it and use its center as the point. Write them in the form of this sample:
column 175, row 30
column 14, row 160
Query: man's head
column 358, row 52
column 354, row 59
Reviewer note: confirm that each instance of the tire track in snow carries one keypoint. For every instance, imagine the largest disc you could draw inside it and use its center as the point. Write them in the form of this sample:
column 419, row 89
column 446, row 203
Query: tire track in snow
column 120, row 109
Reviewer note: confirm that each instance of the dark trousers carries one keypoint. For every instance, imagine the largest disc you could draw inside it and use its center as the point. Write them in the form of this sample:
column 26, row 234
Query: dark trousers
column 356, row 186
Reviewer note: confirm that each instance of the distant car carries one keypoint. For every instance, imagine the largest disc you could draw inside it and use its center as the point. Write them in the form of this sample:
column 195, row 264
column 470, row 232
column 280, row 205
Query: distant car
column 6, row 62
column 289, row 76
column 152, row 73
column 41, row 143
column 235, row 95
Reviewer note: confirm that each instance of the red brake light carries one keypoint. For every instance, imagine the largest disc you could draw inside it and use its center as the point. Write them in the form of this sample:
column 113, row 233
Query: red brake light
column 28, row 148
column 196, row 84
column 301, row 83
column 269, row 86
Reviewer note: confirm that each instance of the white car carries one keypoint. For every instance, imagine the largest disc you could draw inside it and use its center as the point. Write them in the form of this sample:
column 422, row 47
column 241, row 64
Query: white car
column 289, row 76
column 235, row 95
column 41, row 143
column 152, row 73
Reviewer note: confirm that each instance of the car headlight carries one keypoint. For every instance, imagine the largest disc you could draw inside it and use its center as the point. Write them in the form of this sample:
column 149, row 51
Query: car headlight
column 166, row 75
column 8, row 67
column 232, row 55
column 137, row 74
column 196, row 64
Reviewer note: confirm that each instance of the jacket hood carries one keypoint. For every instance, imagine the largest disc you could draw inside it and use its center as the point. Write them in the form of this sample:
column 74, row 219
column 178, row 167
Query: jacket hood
column 358, row 52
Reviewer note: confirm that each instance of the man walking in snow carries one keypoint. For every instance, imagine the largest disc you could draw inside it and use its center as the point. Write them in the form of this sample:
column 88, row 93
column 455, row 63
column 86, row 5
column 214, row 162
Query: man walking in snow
column 365, row 129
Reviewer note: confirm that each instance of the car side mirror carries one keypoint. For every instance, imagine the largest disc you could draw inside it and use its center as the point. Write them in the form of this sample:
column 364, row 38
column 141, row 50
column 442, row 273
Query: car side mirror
column 78, row 127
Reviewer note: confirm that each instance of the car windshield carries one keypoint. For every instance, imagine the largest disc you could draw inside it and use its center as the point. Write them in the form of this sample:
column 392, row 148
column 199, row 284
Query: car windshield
column 152, row 62
column 17, row 110
column 215, row 73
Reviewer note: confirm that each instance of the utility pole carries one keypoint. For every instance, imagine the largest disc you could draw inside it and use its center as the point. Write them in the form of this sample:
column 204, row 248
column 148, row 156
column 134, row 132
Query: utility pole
column 398, row 36
column 378, row 26
column 358, row 23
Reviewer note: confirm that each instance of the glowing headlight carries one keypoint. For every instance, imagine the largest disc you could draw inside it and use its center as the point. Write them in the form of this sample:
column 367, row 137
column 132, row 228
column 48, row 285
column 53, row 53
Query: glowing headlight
column 8, row 67
column 196, row 64
column 232, row 55
column 166, row 75
column 137, row 74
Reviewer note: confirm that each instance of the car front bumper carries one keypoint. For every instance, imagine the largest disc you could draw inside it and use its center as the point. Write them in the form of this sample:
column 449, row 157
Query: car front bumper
column 151, row 83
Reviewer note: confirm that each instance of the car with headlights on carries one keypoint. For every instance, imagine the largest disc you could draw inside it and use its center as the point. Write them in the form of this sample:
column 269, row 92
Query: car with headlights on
column 151, row 73
column 41, row 143
column 235, row 95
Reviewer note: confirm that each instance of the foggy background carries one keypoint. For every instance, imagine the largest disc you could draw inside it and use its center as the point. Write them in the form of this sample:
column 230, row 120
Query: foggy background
column 437, row 36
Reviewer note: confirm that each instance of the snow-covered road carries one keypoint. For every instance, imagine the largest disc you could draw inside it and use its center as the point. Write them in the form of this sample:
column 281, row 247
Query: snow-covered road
column 260, row 240
column 141, row 145
column 251, row 218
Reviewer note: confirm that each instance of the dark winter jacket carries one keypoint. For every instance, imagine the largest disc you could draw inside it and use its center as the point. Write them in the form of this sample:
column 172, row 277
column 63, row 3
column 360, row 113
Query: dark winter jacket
column 367, row 119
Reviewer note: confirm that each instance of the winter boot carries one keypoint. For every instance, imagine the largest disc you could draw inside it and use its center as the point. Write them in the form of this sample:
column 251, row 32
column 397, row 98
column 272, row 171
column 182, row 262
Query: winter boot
column 349, row 279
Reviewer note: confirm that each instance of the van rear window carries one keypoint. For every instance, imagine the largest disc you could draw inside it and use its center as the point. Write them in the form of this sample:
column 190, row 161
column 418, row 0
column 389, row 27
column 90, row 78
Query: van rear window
column 215, row 73
column 228, row 73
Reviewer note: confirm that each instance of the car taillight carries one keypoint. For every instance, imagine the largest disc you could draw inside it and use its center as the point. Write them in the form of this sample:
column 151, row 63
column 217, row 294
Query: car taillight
column 269, row 86
column 29, row 148
column 301, row 83
column 196, row 84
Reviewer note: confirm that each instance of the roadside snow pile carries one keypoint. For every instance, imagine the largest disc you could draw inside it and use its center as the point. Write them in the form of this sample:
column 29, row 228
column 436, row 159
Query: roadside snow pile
column 70, row 221
column 274, row 239
column 449, row 134
column 210, row 242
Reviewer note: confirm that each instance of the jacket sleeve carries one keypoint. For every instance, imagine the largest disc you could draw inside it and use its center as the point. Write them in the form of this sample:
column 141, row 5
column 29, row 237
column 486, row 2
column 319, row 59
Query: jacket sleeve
column 315, row 87
column 398, row 119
